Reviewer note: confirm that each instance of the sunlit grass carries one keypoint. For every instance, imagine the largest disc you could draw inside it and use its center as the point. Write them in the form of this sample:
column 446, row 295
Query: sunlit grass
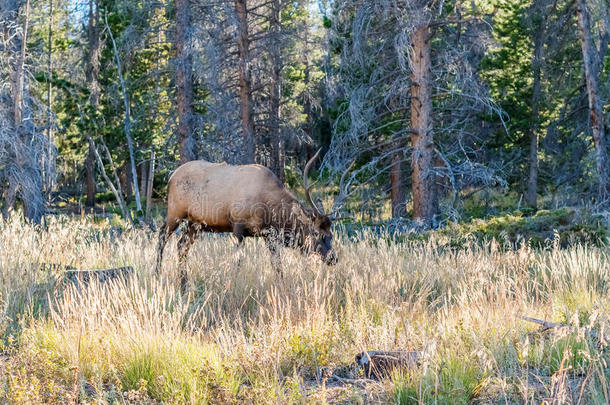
column 244, row 335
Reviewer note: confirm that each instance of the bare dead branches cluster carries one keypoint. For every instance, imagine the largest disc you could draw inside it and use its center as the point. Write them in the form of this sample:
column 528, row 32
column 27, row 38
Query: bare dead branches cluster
column 390, row 90
column 24, row 148
column 240, row 51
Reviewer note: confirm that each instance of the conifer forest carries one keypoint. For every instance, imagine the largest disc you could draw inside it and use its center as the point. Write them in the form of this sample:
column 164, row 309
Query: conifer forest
column 304, row 201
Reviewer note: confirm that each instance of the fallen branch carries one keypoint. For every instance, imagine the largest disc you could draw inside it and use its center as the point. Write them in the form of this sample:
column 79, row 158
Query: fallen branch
column 546, row 325
column 352, row 381
column 325, row 374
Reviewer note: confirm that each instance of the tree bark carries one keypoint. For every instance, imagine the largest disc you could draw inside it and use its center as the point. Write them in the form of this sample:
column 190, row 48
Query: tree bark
column 277, row 147
column 425, row 203
column 126, row 184
column 531, row 195
column 92, row 70
column 184, row 81
column 245, row 80
column 591, row 67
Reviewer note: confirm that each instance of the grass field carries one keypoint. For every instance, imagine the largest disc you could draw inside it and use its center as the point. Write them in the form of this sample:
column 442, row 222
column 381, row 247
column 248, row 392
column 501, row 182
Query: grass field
column 244, row 335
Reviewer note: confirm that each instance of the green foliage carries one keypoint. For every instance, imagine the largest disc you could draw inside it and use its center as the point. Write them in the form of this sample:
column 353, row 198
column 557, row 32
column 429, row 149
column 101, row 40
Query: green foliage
column 564, row 226
column 554, row 354
column 456, row 380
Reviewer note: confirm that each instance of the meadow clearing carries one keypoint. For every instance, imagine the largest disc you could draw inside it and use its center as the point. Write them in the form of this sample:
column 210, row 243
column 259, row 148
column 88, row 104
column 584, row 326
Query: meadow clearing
column 244, row 335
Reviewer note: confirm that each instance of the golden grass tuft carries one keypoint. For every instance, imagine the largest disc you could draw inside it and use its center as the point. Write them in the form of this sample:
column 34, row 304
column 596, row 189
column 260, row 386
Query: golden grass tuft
column 244, row 335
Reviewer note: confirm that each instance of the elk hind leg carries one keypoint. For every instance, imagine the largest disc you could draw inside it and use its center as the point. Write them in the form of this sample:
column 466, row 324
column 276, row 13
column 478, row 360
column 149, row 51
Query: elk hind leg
column 276, row 263
column 164, row 234
column 239, row 232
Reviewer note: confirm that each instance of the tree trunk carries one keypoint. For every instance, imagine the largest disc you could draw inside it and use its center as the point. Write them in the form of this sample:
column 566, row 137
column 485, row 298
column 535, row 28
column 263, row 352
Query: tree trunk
column 48, row 176
column 92, row 70
column 396, row 195
column 425, row 203
column 10, row 195
column 143, row 177
column 126, row 184
column 150, row 182
column 245, row 80
column 19, row 70
column 277, row 147
column 184, row 81
column 532, row 182
column 308, row 127
column 591, row 65
column 90, row 176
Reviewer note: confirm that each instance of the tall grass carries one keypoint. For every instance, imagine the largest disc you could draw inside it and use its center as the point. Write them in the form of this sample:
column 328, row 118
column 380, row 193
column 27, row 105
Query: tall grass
column 244, row 335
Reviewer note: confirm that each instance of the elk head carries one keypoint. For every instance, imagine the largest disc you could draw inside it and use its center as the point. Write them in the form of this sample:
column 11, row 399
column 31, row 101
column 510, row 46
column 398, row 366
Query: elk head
column 318, row 238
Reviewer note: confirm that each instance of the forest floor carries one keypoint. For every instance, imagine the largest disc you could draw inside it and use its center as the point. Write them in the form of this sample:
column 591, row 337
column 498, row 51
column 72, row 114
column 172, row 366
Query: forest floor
column 244, row 335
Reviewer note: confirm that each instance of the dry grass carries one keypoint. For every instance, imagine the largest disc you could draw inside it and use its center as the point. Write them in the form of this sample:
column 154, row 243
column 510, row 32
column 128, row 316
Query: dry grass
column 243, row 335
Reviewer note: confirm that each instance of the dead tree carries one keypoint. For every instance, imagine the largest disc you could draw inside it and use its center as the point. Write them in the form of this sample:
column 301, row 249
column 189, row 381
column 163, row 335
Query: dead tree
column 245, row 47
column 115, row 186
column 592, row 75
column 277, row 145
column 245, row 80
column 49, row 167
column 23, row 150
column 184, row 80
column 19, row 69
column 127, row 120
column 396, row 192
column 149, row 183
column 92, row 70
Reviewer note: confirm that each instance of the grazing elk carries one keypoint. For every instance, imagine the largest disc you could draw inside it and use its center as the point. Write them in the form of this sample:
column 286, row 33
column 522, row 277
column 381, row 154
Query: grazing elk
column 247, row 200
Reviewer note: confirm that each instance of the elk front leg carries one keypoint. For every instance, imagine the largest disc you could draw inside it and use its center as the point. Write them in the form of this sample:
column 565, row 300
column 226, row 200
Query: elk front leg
column 273, row 246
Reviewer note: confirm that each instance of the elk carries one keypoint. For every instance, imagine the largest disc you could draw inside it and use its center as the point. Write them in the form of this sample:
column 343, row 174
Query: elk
column 246, row 200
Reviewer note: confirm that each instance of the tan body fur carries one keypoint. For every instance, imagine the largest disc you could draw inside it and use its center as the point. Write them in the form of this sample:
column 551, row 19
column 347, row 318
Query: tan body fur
column 220, row 196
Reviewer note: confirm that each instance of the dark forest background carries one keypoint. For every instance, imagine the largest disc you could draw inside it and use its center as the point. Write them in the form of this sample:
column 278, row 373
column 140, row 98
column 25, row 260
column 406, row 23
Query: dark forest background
column 428, row 110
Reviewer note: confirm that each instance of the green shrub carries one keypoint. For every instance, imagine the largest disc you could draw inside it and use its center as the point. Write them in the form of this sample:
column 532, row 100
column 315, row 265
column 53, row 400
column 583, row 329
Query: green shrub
column 565, row 226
